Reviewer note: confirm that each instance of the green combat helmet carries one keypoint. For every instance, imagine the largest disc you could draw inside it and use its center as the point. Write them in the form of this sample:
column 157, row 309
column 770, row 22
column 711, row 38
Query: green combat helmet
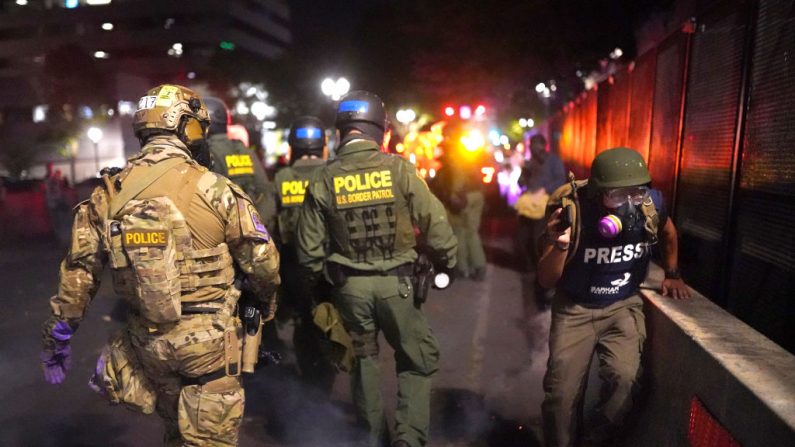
column 614, row 168
column 618, row 167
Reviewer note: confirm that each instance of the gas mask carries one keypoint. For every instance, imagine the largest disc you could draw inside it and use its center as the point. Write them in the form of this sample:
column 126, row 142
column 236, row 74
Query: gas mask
column 622, row 204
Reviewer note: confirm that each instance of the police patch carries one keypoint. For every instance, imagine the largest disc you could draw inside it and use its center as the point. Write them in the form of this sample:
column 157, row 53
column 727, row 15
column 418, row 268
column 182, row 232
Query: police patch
column 145, row 238
column 292, row 192
column 364, row 189
column 239, row 164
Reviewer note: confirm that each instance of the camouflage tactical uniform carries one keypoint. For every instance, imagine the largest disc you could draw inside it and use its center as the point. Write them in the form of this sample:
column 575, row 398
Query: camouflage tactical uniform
column 363, row 205
column 222, row 226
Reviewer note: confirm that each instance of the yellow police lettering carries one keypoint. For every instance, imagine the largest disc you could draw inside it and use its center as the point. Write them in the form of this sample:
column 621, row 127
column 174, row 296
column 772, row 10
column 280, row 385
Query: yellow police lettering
column 363, row 181
column 145, row 238
column 293, row 191
column 239, row 164
column 364, row 188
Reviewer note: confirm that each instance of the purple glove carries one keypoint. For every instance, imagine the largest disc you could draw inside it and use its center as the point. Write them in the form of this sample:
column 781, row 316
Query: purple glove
column 95, row 382
column 57, row 359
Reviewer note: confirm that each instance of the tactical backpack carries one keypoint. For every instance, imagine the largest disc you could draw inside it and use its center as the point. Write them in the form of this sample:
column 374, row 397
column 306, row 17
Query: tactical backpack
column 567, row 197
column 150, row 247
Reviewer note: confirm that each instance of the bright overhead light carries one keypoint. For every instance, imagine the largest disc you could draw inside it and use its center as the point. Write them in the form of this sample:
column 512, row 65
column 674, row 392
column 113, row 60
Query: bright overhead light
column 107, row 26
column 465, row 112
column 101, row 55
column 22, row 2
column 617, row 53
column 530, row 122
column 480, row 110
column 176, row 50
column 522, row 122
column 405, row 116
column 98, row 2
column 335, row 89
column 540, row 87
column 327, row 86
column 40, row 113
column 94, row 134
column 125, row 107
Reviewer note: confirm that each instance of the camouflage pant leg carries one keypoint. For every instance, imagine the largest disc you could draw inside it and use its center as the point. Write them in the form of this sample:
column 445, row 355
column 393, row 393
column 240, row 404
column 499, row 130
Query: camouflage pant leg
column 205, row 415
column 210, row 414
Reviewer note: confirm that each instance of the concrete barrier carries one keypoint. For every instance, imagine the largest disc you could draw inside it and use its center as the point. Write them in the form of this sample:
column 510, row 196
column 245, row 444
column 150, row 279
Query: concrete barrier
column 697, row 349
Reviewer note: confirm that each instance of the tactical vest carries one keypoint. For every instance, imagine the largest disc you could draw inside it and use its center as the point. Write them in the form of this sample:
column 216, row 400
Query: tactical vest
column 603, row 271
column 291, row 183
column 235, row 162
column 369, row 219
column 150, row 247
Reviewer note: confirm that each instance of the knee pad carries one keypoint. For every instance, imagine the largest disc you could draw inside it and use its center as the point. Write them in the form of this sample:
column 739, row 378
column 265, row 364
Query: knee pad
column 365, row 344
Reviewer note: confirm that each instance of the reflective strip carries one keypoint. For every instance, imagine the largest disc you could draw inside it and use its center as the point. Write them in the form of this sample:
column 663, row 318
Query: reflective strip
column 307, row 132
column 354, row 106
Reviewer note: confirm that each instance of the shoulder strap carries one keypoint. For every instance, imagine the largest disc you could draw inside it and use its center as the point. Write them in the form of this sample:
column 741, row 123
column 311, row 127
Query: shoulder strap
column 186, row 190
column 573, row 200
column 652, row 219
column 132, row 189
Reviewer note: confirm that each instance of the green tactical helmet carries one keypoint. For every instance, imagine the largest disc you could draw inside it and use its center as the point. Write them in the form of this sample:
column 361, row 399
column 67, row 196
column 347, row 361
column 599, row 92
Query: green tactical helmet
column 618, row 167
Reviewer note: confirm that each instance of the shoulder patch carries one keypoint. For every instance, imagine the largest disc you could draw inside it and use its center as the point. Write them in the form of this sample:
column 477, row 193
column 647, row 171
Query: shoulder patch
column 251, row 225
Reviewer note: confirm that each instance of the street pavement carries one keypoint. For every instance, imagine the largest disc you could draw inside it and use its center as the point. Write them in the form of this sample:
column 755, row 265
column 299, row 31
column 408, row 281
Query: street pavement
column 488, row 391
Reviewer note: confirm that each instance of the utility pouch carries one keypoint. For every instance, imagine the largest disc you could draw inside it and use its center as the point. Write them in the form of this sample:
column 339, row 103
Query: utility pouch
column 336, row 344
column 149, row 243
column 119, row 378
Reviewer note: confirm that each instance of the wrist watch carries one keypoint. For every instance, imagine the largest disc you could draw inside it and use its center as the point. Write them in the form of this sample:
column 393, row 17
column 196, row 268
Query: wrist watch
column 673, row 273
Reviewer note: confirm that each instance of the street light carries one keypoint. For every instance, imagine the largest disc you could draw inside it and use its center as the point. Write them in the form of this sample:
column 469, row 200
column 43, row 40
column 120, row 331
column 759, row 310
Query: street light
column 95, row 134
column 335, row 89
column 405, row 116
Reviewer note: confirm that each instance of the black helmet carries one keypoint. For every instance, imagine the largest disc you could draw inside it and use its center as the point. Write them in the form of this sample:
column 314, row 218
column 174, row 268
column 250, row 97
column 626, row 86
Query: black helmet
column 363, row 111
column 219, row 115
column 307, row 137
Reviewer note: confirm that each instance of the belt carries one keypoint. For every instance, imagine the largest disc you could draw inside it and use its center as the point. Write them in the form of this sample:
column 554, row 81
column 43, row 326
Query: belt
column 401, row 270
column 207, row 378
column 199, row 309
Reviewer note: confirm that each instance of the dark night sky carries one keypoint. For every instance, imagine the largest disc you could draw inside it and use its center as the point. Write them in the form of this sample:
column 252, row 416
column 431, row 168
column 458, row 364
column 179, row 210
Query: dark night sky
column 431, row 52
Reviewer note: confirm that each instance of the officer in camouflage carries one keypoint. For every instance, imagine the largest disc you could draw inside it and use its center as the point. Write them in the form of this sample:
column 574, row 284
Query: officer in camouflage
column 308, row 154
column 236, row 162
column 357, row 222
column 170, row 231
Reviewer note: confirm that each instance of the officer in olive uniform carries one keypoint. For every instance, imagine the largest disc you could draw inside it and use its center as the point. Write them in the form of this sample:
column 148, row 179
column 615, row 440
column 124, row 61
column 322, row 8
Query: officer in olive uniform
column 458, row 186
column 358, row 221
column 597, row 306
column 308, row 154
column 171, row 232
column 236, row 162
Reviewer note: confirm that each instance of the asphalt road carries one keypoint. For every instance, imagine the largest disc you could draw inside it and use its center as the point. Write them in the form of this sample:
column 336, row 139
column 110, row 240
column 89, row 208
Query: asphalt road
column 487, row 393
